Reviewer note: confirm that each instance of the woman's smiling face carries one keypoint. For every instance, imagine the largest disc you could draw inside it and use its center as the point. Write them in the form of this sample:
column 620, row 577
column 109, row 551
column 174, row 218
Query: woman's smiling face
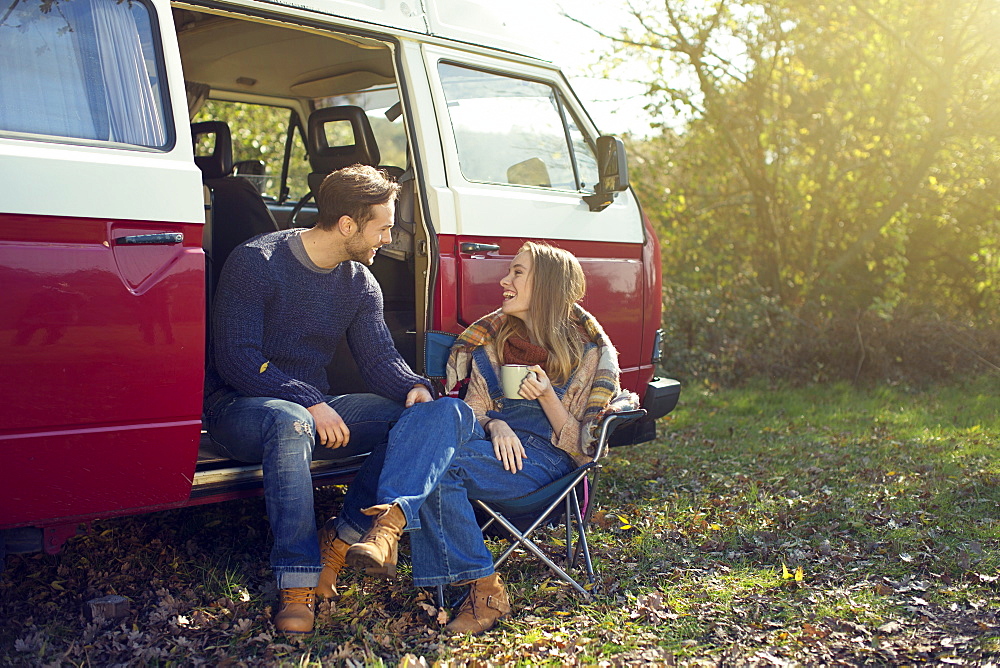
column 517, row 288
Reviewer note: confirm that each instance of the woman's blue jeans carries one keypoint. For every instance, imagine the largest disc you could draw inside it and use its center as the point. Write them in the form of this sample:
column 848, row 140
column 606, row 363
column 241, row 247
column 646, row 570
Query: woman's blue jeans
column 280, row 434
column 437, row 458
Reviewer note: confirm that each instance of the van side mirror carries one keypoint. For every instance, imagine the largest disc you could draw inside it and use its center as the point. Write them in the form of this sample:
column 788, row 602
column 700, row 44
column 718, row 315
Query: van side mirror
column 612, row 172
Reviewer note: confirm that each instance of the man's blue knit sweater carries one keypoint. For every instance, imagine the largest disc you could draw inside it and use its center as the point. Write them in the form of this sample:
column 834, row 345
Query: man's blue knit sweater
column 278, row 318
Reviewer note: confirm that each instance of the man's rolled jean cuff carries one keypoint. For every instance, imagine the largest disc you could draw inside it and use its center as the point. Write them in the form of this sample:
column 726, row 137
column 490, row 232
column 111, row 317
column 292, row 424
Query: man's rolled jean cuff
column 299, row 577
column 347, row 532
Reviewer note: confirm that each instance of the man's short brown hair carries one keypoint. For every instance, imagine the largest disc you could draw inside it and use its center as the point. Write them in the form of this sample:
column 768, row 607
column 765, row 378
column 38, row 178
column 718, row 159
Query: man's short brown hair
column 353, row 191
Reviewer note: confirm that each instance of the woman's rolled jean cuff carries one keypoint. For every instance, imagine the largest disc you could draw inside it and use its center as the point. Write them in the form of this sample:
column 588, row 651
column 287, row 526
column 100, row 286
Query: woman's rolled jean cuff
column 458, row 578
column 412, row 516
column 347, row 531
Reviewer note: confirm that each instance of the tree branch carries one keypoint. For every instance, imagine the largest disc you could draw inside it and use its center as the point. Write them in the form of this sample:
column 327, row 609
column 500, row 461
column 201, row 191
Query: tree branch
column 10, row 10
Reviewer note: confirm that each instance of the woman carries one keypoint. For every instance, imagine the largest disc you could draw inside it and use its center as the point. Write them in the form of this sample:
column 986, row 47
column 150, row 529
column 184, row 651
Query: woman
column 443, row 453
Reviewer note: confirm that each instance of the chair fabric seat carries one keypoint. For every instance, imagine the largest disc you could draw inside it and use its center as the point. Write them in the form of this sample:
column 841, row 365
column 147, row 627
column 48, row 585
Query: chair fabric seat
column 532, row 504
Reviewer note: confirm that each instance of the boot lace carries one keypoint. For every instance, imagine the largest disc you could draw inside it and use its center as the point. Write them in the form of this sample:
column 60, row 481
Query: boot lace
column 304, row 595
column 382, row 531
column 469, row 604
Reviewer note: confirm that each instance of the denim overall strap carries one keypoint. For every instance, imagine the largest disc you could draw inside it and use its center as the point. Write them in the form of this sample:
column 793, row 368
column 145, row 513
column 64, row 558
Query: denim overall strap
column 493, row 382
column 482, row 362
column 524, row 416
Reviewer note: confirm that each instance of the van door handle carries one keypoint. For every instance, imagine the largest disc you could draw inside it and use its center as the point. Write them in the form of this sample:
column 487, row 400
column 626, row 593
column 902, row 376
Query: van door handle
column 159, row 239
column 469, row 247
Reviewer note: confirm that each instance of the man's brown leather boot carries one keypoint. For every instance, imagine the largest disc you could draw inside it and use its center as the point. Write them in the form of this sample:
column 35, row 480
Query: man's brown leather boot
column 333, row 551
column 378, row 550
column 486, row 604
column 296, row 613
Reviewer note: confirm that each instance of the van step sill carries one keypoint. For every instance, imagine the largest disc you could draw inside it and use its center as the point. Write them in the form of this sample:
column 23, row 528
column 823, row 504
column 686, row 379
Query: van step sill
column 217, row 475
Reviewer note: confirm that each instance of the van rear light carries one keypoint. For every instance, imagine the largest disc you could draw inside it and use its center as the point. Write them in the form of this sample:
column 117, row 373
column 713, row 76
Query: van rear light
column 658, row 346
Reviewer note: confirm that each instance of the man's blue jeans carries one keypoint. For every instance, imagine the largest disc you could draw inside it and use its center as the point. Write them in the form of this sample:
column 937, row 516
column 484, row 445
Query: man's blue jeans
column 281, row 435
column 437, row 458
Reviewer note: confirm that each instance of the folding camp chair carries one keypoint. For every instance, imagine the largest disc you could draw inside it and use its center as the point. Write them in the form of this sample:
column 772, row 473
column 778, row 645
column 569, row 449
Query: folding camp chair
column 541, row 507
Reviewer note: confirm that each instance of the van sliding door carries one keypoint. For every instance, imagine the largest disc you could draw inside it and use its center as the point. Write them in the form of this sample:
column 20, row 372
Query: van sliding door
column 102, row 333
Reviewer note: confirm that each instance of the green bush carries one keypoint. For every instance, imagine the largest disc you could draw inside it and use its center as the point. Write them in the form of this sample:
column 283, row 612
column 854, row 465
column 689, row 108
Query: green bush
column 727, row 334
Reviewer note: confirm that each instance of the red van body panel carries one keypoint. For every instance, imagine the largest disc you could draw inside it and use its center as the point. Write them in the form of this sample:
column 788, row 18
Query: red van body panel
column 105, row 354
column 652, row 299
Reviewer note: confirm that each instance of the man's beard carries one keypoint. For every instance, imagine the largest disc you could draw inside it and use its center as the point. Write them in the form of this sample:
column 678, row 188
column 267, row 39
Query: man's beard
column 358, row 249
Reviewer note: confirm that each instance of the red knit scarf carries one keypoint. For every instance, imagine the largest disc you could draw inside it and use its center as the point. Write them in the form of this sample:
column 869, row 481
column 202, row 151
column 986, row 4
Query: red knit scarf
column 518, row 350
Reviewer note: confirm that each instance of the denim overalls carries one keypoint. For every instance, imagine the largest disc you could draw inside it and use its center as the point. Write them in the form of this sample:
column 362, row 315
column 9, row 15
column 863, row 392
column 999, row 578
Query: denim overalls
column 438, row 457
column 524, row 416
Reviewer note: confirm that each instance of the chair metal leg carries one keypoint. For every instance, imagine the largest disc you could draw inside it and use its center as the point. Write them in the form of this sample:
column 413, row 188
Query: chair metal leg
column 585, row 520
column 541, row 517
column 581, row 544
column 531, row 547
column 569, row 528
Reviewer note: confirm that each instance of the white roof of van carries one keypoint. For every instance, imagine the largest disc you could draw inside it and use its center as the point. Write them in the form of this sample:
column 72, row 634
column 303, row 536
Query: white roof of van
column 492, row 23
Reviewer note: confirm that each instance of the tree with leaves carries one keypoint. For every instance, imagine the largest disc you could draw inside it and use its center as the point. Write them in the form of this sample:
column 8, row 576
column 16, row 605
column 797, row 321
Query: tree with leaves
column 842, row 157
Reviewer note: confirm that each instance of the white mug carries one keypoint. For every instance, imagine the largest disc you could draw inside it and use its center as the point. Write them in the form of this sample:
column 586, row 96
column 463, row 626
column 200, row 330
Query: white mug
column 511, row 376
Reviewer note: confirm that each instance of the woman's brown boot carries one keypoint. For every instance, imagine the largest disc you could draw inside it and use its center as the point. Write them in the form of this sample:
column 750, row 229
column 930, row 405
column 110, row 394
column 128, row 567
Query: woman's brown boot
column 378, row 550
column 486, row 604
column 333, row 551
column 297, row 610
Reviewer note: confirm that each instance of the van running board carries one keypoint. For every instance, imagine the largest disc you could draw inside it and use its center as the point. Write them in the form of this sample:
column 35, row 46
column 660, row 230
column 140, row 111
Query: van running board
column 216, row 475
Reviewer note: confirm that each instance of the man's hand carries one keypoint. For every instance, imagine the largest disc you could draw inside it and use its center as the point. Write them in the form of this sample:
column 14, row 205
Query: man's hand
column 418, row 395
column 507, row 446
column 331, row 430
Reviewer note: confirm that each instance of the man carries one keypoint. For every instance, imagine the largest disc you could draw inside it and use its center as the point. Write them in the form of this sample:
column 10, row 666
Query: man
column 283, row 303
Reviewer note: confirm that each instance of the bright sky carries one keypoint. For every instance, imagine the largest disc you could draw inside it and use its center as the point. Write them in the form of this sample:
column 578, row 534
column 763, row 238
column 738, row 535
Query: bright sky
column 614, row 105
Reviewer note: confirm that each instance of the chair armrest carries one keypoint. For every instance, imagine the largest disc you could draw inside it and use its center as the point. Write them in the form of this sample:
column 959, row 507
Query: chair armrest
column 609, row 423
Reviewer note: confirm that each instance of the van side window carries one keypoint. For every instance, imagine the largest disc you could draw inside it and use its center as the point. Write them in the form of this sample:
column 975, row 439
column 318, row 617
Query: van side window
column 260, row 134
column 84, row 69
column 515, row 131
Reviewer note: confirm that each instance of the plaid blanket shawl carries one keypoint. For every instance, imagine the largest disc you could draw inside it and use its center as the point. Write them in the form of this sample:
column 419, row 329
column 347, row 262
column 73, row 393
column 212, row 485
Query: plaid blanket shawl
column 606, row 395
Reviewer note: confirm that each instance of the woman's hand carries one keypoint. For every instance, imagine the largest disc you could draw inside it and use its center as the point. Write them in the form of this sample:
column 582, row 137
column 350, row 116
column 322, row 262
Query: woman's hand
column 535, row 384
column 506, row 445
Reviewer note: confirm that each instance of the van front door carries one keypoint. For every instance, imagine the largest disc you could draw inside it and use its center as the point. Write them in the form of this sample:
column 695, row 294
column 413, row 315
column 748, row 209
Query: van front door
column 518, row 163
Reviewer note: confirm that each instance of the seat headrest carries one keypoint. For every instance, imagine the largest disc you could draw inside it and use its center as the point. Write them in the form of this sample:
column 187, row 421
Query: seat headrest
column 325, row 158
column 220, row 162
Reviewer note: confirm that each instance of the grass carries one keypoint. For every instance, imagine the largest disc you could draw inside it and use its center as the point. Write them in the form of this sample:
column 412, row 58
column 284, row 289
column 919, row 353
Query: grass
column 766, row 525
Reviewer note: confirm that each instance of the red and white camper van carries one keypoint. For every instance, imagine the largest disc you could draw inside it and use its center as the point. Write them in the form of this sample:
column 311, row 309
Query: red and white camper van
column 141, row 141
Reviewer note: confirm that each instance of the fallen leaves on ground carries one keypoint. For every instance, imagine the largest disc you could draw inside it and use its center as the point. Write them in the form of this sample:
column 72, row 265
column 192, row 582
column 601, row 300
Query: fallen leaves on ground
column 740, row 539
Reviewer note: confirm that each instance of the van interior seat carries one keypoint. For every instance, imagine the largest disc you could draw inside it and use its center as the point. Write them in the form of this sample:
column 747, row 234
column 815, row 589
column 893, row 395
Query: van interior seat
column 324, row 158
column 254, row 171
column 238, row 210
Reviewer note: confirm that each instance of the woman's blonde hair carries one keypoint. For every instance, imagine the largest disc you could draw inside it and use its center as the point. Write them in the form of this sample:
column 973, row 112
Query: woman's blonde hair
column 557, row 283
